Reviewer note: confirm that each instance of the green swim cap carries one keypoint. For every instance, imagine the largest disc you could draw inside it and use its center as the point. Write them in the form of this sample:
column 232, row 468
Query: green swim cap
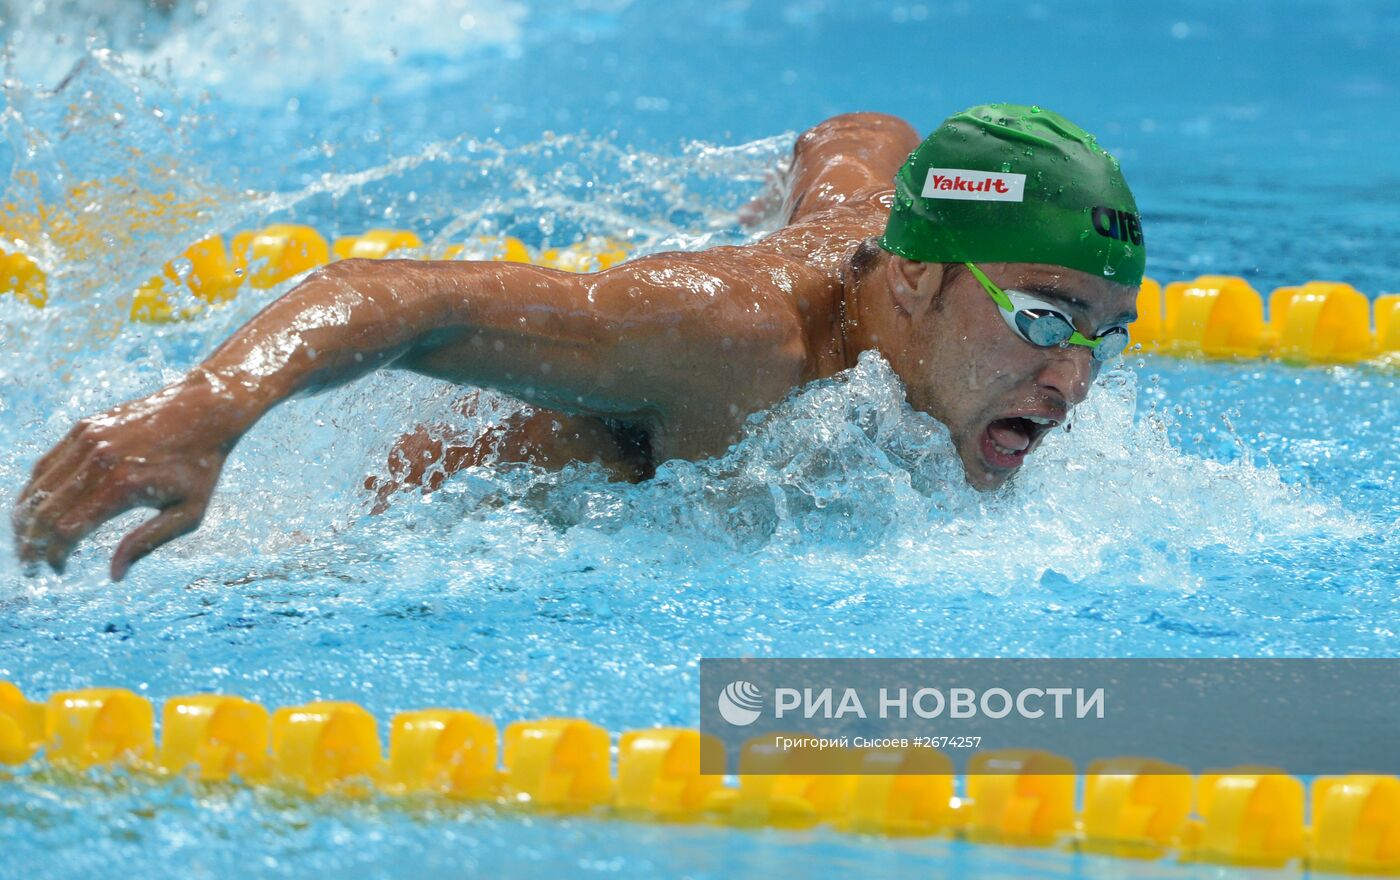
column 1004, row 183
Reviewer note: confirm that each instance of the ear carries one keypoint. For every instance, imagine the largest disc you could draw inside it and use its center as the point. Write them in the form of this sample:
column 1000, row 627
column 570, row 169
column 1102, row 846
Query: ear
column 912, row 284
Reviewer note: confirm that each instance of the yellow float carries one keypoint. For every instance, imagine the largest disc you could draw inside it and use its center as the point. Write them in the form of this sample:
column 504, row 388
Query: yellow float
column 658, row 773
column 375, row 244
column 1020, row 796
column 1215, row 315
column 325, row 745
column 1134, row 807
column 215, row 737
column 444, row 751
column 22, row 277
column 1320, row 322
column 557, row 763
column 98, row 726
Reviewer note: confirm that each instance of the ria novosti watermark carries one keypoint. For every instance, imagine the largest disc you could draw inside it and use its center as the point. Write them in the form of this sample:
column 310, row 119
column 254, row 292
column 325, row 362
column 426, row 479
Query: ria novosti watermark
column 1300, row 715
column 741, row 703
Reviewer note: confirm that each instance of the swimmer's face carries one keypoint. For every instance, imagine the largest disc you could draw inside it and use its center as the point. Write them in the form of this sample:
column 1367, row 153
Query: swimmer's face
column 997, row 394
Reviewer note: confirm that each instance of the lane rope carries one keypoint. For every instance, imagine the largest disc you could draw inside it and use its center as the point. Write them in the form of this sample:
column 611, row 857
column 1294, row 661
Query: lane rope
column 1213, row 316
column 1132, row 807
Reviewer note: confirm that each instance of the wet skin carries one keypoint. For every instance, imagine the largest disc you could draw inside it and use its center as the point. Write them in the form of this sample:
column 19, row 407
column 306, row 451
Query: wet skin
column 662, row 357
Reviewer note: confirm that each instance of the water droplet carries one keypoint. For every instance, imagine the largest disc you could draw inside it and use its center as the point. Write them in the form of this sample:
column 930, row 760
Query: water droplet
column 1035, row 108
column 1005, row 167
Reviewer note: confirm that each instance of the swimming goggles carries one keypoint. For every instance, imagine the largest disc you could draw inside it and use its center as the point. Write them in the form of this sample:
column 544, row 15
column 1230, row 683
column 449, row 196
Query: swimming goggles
column 1043, row 325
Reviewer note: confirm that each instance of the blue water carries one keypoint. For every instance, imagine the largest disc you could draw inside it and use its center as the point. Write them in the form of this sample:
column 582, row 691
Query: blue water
column 1197, row 509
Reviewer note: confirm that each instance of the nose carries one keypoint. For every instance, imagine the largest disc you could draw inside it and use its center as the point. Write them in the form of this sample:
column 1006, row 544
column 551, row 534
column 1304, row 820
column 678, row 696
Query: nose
column 1069, row 372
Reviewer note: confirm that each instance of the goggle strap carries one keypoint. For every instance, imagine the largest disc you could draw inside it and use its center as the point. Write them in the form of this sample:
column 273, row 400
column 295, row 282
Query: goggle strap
column 995, row 292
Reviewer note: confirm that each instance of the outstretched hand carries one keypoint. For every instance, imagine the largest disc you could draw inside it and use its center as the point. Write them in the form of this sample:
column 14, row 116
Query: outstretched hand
column 163, row 451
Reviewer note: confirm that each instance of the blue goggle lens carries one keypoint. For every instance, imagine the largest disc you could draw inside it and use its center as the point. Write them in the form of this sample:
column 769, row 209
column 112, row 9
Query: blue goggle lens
column 1047, row 328
column 1043, row 328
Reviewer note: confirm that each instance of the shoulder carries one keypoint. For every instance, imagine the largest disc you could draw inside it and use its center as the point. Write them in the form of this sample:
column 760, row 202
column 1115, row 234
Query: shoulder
column 724, row 328
column 750, row 287
column 733, row 304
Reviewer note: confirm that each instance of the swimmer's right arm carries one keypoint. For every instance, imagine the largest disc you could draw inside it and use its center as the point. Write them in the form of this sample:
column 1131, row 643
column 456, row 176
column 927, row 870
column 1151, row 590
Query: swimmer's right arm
column 166, row 450
column 833, row 162
column 634, row 341
column 842, row 156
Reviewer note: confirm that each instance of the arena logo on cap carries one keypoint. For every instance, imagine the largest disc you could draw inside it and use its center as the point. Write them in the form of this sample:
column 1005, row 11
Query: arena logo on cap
column 1122, row 225
column 975, row 186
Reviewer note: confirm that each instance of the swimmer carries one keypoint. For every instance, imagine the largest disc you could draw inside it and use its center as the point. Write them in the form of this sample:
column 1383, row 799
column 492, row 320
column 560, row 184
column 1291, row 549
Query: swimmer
column 996, row 276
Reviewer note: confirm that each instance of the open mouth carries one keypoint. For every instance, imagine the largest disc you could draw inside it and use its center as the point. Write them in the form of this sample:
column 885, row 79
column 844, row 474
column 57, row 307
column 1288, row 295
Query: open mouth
column 1005, row 442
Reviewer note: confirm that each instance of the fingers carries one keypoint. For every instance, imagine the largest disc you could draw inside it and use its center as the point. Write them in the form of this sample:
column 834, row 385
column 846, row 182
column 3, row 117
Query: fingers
column 412, row 455
column 19, row 524
column 49, row 530
column 56, row 555
column 86, row 514
column 148, row 453
column 56, row 462
column 57, row 480
column 385, row 490
column 167, row 525
column 68, row 506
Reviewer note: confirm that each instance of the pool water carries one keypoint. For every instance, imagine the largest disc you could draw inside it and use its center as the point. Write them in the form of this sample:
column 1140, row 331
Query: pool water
column 1196, row 509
